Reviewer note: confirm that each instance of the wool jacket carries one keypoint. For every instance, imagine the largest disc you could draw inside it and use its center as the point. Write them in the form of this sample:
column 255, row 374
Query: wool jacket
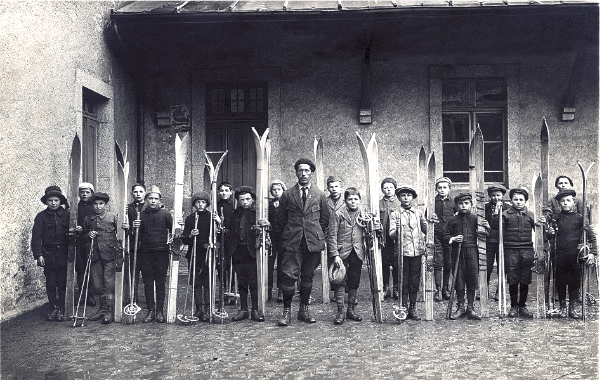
column 518, row 228
column 344, row 235
column 204, row 220
column 49, row 236
column 276, row 229
column 444, row 209
column 154, row 230
column 386, row 207
column 246, row 237
column 414, row 230
column 310, row 220
column 493, row 220
column 105, row 244
column 569, row 229
column 465, row 225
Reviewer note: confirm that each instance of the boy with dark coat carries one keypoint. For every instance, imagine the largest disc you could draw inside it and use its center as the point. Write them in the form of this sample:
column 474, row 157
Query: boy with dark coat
column 388, row 204
column 442, row 263
column 200, row 202
column 462, row 228
column 49, row 243
column 84, row 208
column 413, row 224
column 277, row 188
column 242, row 249
column 101, row 228
column 138, row 192
column 345, row 247
column 567, row 228
column 496, row 193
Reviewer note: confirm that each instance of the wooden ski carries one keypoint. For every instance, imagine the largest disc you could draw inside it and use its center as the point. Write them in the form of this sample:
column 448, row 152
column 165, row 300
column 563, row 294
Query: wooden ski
column 262, row 213
column 122, row 180
column 74, row 170
column 585, row 249
column 370, row 160
column 545, row 163
column 540, row 255
column 422, row 177
column 400, row 312
column 430, row 247
column 502, row 286
column 213, row 174
column 181, row 147
column 318, row 150
column 476, row 186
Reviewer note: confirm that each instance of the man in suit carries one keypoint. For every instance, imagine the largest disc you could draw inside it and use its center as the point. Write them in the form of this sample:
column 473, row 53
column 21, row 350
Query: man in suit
column 304, row 217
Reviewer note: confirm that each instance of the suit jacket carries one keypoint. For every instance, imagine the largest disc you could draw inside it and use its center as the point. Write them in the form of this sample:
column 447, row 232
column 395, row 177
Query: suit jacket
column 344, row 234
column 309, row 221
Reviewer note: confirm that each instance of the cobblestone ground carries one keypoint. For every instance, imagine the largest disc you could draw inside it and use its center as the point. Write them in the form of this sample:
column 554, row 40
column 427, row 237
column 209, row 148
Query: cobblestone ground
column 493, row 348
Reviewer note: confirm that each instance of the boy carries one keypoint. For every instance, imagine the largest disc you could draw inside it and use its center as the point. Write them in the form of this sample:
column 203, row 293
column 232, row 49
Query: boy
column 442, row 262
column 277, row 188
column 225, row 206
column 414, row 229
column 388, row 204
column 335, row 203
column 562, row 182
column 496, row 193
column 49, row 244
column 155, row 226
column 200, row 202
column 242, row 239
column 102, row 228
column 567, row 229
column 345, row 247
column 462, row 228
column 138, row 192
column 518, row 225
column 84, row 209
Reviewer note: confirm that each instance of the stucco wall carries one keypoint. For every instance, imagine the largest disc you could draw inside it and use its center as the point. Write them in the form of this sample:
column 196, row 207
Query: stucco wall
column 50, row 50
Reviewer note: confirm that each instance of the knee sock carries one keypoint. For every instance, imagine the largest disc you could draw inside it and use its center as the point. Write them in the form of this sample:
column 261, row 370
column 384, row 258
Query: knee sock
column 513, row 289
column 524, row 288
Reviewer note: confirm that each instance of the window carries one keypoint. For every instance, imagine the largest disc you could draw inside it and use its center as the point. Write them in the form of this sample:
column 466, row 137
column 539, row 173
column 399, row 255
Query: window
column 237, row 101
column 466, row 103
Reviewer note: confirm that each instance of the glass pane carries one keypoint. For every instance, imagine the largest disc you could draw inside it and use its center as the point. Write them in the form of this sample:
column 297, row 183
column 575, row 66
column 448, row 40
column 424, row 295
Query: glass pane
column 256, row 100
column 237, row 100
column 455, row 127
column 491, row 126
column 493, row 177
column 457, row 177
column 490, row 93
column 455, row 93
column 493, row 156
column 456, row 157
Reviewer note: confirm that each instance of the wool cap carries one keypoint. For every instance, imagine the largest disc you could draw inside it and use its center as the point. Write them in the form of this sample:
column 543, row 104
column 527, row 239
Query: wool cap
column 243, row 190
column 521, row 190
column 154, row 190
column 305, row 161
column 86, row 185
column 333, row 179
column 100, row 197
column 389, row 180
column 443, row 179
column 497, row 187
column 278, row 182
column 54, row 191
column 562, row 176
column 462, row 197
column 564, row 192
column 406, row 189
column 337, row 274
column 201, row 196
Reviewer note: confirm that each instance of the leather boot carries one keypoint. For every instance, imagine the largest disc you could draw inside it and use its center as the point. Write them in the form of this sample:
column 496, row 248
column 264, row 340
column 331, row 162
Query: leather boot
column 240, row 316
column 563, row 310
column 256, row 316
column 91, row 300
column 286, row 318
column 109, row 317
column 149, row 316
column 339, row 299
column 206, row 314
column 101, row 310
column 279, row 296
column 199, row 312
column 270, row 295
column 524, row 313
column 395, row 293
column 471, row 314
column 437, row 297
column 459, row 313
column 52, row 314
column 351, row 312
column 574, row 310
column 445, row 293
column 387, row 293
column 304, row 315
column 160, row 317
column 60, row 314
column 412, row 312
column 513, row 312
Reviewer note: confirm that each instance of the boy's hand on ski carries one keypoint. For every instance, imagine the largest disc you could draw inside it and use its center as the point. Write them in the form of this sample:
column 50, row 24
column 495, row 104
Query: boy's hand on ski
column 337, row 261
column 263, row 223
column 377, row 225
column 434, row 219
column 551, row 230
column 125, row 226
column 456, row 239
column 93, row 234
column 194, row 232
column 137, row 223
column 40, row 261
column 216, row 217
column 542, row 220
column 78, row 229
column 485, row 223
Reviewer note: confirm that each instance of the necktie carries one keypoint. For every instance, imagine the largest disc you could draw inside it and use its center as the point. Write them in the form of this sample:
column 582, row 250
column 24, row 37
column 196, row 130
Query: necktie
column 304, row 191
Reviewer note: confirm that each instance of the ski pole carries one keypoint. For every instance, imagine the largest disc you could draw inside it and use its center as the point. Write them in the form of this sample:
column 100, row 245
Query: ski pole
column 132, row 309
column 453, row 282
column 86, row 283
column 399, row 310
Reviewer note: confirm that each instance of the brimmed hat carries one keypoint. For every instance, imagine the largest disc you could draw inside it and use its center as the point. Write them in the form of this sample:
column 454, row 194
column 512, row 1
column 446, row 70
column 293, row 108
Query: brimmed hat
column 462, row 197
column 443, row 179
column 406, row 189
column 337, row 274
column 54, row 191
column 245, row 189
column 100, row 197
column 564, row 192
column 153, row 190
column 389, row 180
column 499, row 188
column 333, row 179
column 201, row 196
column 519, row 191
column 305, row 161
column 86, row 185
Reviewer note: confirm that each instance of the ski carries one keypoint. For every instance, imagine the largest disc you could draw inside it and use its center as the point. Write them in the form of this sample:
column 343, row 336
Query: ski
column 430, row 247
column 122, row 178
column 211, row 253
column 422, row 178
column 476, row 187
column 318, row 150
column 545, row 163
column 585, row 249
column 74, row 170
column 262, row 213
column 540, row 255
column 502, row 288
column 370, row 160
column 181, row 147
column 400, row 312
